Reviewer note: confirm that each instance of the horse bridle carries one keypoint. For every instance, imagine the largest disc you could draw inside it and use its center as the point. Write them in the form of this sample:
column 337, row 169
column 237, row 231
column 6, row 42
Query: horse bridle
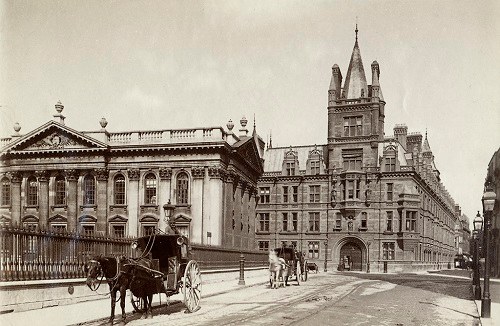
column 94, row 289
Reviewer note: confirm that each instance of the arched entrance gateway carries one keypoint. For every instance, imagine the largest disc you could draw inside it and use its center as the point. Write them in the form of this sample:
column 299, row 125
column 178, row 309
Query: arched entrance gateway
column 353, row 251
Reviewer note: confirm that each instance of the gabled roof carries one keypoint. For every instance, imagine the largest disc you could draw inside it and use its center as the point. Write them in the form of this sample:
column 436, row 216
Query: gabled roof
column 53, row 137
column 248, row 149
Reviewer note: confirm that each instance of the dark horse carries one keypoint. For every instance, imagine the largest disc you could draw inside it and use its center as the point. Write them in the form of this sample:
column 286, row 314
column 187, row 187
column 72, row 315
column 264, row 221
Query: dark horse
column 111, row 269
column 144, row 282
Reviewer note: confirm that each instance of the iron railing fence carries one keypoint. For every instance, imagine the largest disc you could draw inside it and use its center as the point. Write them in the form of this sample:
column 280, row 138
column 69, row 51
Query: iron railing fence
column 33, row 254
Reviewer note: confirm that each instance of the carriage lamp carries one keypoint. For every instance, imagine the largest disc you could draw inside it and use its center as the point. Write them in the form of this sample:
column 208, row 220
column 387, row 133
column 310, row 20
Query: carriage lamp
column 134, row 245
column 478, row 222
column 168, row 209
column 489, row 198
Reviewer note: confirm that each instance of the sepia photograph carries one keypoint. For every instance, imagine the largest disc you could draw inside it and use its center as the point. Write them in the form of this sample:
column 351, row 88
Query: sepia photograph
column 238, row 162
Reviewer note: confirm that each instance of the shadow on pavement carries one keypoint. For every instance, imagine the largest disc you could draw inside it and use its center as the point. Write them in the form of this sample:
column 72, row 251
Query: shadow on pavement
column 451, row 286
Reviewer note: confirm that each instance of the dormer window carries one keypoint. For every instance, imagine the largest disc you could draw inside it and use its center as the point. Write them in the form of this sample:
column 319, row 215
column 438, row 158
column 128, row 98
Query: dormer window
column 290, row 163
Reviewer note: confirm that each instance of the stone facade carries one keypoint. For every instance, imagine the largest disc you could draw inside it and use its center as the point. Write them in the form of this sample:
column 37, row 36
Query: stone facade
column 493, row 178
column 116, row 183
column 362, row 198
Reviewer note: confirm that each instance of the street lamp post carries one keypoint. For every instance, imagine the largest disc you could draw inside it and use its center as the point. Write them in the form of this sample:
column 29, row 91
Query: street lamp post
column 478, row 224
column 368, row 257
column 168, row 210
column 488, row 204
column 326, row 254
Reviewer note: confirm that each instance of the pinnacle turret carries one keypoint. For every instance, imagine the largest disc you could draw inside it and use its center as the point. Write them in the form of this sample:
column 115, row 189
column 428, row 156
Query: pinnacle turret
column 355, row 81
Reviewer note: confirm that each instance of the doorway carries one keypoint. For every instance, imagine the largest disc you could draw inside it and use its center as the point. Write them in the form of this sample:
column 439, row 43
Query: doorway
column 351, row 252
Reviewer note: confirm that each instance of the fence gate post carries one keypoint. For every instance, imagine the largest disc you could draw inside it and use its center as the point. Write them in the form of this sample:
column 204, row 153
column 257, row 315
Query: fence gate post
column 241, row 281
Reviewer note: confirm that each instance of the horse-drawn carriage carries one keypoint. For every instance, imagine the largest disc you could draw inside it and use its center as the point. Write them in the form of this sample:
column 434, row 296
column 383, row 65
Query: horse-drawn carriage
column 171, row 269
column 294, row 263
column 161, row 264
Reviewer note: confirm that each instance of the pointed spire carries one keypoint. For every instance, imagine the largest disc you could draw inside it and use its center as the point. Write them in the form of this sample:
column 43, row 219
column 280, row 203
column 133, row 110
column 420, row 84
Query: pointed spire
column 355, row 82
column 425, row 147
column 254, row 132
column 270, row 139
column 356, row 29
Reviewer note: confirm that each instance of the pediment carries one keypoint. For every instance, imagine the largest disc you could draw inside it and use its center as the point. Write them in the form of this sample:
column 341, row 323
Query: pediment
column 250, row 153
column 118, row 219
column 5, row 219
column 87, row 218
column 150, row 219
column 51, row 137
column 182, row 219
column 30, row 218
column 58, row 218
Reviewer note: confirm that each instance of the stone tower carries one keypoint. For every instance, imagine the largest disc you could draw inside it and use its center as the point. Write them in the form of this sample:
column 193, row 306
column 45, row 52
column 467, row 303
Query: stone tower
column 355, row 116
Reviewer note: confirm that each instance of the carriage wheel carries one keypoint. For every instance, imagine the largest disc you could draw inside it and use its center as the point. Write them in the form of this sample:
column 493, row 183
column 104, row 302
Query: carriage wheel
column 137, row 303
column 192, row 286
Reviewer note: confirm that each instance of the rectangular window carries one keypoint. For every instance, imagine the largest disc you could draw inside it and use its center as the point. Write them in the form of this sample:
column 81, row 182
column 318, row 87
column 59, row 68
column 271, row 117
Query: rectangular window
column 60, row 191
column 353, row 126
column 88, row 230
column 285, row 194
column 58, row 228
column 388, row 250
column 32, row 192
column 314, row 167
column 389, row 221
column 364, row 220
column 264, row 222
column 338, row 220
column 411, row 221
column 350, row 189
column 265, row 195
column 285, row 222
column 352, row 163
column 390, row 164
column 295, row 193
column 118, row 231
column 294, row 222
column 5, row 192
column 390, row 196
column 290, row 168
column 313, row 249
column 264, row 245
column 148, row 229
column 314, row 221
column 314, row 194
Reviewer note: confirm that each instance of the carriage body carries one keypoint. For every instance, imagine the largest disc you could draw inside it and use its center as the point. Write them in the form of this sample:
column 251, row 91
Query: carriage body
column 295, row 262
column 170, row 266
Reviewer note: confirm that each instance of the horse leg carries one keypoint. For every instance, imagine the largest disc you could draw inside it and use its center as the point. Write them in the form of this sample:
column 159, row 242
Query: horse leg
column 113, row 302
column 123, row 294
column 150, row 304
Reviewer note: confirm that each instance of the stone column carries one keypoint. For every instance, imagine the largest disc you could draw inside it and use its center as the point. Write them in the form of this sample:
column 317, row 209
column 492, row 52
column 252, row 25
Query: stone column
column 71, row 200
column 133, row 201
column 43, row 197
column 16, row 178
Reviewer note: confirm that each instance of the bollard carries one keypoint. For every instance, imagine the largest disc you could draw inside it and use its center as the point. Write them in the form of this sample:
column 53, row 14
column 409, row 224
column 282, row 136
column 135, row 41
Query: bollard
column 241, row 281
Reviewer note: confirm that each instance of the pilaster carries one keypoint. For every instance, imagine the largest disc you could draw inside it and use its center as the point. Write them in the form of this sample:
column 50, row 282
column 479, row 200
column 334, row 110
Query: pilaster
column 102, row 201
column 133, row 201
column 72, row 203
column 16, row 178
column 43, row 197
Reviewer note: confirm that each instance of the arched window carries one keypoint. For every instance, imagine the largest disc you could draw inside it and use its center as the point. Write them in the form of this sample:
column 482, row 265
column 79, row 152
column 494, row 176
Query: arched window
column 150, row 189
column 60, row 190
column 119, row 190
column 32, row 193
column 5, row 192
column 182, row 189
column 89, row 190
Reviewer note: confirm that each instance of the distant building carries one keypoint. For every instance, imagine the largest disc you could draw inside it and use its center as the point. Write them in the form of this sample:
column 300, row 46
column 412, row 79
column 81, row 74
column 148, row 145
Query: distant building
column 361, row 197
column 116, row 183
column 493, row 176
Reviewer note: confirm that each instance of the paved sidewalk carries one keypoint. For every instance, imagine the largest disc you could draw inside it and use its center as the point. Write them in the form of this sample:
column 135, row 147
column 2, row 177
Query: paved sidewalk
column 96, row 309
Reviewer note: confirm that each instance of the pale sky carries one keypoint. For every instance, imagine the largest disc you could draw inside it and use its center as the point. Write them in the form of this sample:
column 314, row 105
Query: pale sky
column 174, row 64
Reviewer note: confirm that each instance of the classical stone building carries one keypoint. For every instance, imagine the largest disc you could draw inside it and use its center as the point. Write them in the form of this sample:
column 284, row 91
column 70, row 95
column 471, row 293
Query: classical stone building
column 363, row 197
column 116, row 183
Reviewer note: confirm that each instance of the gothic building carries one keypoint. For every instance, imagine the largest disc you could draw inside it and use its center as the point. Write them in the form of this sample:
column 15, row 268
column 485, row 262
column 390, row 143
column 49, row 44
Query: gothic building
column 363, row 197
column 116, row 183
